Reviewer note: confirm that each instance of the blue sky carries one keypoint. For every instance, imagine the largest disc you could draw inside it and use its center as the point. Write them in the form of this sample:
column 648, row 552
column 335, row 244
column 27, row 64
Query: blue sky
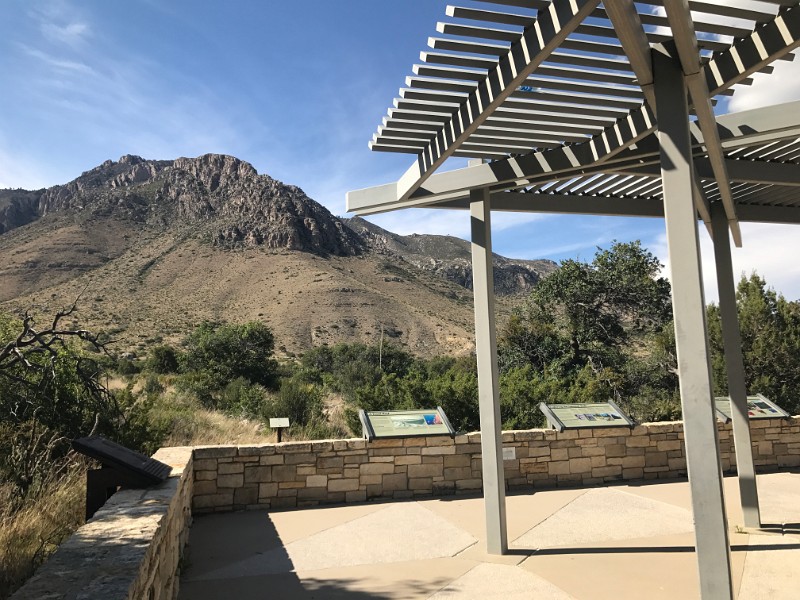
column 295, row 88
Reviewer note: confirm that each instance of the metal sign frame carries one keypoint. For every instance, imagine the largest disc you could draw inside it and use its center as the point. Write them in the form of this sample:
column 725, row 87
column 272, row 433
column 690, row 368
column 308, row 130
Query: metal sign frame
column 121, row 467
column 556, row 423
column 724, row 417
column 371, row 434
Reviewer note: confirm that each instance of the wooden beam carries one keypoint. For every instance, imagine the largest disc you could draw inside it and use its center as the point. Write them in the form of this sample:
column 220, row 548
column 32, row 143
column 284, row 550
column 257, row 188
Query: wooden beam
column 770, row 42
column 680, row 21
column 537, row 42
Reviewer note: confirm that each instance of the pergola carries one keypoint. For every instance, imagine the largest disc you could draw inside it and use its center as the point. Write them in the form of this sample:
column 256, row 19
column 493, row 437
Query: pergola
column 573, row 106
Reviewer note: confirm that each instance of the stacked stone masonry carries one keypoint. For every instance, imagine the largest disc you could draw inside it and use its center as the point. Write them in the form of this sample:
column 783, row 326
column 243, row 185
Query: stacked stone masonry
column 130, row 550
column 333, row 471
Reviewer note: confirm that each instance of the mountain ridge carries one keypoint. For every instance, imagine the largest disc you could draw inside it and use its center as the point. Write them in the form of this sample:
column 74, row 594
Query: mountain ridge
column 209, row 237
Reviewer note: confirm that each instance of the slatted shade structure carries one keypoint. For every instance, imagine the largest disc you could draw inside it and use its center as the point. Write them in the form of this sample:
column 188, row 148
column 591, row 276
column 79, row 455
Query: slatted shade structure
column 578, row 106
column 763, row 168
column 534, row 85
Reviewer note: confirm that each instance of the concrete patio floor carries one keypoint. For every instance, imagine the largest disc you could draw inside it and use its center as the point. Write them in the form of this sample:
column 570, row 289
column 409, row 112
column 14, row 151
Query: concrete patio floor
column 624, row 541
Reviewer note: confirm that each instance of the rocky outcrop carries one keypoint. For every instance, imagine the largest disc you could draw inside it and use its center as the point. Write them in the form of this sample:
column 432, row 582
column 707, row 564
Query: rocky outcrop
column 450, row 258
column 223, row 196
column 225, row 200
column 18, row 208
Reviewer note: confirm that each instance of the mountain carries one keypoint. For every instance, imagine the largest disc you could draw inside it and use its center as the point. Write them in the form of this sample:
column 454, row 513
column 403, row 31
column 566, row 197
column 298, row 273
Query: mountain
column 151, row 248
column 222, row 195
column 450, row 257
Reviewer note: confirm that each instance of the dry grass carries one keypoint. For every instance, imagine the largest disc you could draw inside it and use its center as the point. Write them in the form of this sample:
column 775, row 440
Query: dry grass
column 211, row 427
column 30, row 534
column 185, row 422
column 306, row 300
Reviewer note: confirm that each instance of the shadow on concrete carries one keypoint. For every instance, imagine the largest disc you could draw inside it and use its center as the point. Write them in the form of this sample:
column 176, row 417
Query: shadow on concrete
column 791, row 528
column 645, row 549
column 290, row 587
column 245, row 559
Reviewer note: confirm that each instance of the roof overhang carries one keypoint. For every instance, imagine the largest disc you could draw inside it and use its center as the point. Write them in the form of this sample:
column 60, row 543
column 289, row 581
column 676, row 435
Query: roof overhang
column 556, row 99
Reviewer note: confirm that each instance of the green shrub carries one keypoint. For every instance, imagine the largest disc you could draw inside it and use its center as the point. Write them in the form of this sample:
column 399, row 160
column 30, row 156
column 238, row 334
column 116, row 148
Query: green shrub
column 241, row 397
column 125, row 366
column 162, row 360
column 300, row 402
column 225, row 352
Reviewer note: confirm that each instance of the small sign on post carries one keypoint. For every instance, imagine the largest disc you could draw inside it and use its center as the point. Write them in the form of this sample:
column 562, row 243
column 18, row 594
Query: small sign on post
column 280, row 424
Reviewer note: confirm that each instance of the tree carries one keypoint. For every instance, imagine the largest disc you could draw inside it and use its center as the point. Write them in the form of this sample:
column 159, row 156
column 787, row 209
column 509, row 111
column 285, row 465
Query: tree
column 51, row 392
column 162, row 359
column 590, row 330
column 345, row 368
column 770, row 331
column 585, row 312
column 222, row 353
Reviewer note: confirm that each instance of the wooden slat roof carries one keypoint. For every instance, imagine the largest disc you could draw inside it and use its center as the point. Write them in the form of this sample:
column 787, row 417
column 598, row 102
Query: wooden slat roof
column 556, row 96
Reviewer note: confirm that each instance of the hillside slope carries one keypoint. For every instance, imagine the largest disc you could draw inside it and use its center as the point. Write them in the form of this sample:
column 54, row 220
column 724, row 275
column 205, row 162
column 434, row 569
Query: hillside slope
column 154, row 247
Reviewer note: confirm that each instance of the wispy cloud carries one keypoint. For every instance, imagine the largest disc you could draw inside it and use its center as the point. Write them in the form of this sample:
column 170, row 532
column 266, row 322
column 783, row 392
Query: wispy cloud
column 453, row 222
column 75, row 79
column 427, row 220
column 71, row 33
column 60, row 22
column 56, row 63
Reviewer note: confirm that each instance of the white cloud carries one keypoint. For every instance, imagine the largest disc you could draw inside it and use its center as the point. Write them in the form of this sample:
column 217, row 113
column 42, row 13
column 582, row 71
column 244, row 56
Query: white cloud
column 70, row 33
column 57, row 64
column 60, row 22
column 782, row 85
column 768, row 249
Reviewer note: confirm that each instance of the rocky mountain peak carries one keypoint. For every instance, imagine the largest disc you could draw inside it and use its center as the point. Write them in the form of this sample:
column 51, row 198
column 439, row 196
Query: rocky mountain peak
column 450, row 257
column 223, row 197
column 224, row 200
column 215, row 170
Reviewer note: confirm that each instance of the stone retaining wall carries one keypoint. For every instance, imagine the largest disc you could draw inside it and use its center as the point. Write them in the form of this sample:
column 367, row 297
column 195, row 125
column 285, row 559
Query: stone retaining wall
column 332, row 471
column 130, row 550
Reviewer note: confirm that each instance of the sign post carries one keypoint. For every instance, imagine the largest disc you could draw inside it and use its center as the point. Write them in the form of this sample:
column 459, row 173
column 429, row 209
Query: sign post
column 280, row 424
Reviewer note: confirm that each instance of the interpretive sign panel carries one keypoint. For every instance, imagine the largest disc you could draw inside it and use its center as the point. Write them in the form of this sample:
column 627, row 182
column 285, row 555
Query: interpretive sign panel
column 585, row 415
column 758, row 407
column 382, row 424
column 121, row 467
column 137, row 466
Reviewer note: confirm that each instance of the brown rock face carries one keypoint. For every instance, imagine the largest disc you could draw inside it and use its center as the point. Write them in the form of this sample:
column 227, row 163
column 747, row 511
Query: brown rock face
column 225, row 197
column 449, row 257
column 224, row 201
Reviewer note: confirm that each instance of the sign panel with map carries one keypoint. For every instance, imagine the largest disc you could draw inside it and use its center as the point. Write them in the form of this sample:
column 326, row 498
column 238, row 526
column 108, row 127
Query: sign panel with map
column 585, row 415
column 383, row 424
column 758, row 407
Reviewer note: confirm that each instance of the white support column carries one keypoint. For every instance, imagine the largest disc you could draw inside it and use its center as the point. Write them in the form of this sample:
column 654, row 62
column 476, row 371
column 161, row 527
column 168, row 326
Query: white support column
column 494, row 491
column 734, row 366
column 699, row 419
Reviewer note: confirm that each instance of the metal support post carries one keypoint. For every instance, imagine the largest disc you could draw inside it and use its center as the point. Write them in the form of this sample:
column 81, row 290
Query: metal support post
column 734, row 367
column 494, row 491
column 699, row 418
